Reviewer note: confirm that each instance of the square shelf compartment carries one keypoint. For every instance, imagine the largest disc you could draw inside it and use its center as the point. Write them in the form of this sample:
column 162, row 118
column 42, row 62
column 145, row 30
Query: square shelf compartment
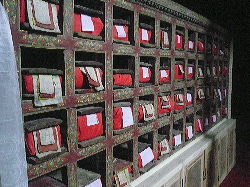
column 147, row 31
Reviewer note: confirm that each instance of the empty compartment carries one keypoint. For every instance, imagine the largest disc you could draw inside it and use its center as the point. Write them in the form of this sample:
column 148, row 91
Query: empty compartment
column 89, row 19
column 165, row 35
column 124, row 151
column 41, row 16
column 165, row 104
column 123, row 71
column 45, row 136
column 122, row 117
column 146, row 111
column 91, row 125
column 146, row 71
column 191, row 40
column 179, row 69
column 123, row 26
column 91, row 171
column 179, row 38
column 89, row 72
column 165, row 70
column 146, row 31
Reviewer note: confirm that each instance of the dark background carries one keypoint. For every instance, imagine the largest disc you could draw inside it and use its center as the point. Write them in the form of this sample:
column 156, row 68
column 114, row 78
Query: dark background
column 233, row 15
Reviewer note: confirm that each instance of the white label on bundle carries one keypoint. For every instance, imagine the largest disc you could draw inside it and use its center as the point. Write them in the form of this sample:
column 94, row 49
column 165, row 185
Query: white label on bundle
column 145, row 73
column 41, row 12
column 190, row 132
column 144, row 34
column 189, row 97
column 121, row 31
column 206, row 121
column 181, row 68
column 123, row 176
column 164, row 73
column 92, row 119
column 47, row 136
column 220, row 96
column 165, row 38
column 177, row 140
column 199, row 122
column 178, row 39
column 214, row 118
column 190, row 44
column 96, row 183
column 127, row 117
column 87, row 23
column 146, row 156
column 46, row 84
column 190, row 70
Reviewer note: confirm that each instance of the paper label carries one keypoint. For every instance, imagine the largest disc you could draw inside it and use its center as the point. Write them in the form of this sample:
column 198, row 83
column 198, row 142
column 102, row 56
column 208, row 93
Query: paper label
column 144, row 34
column 145, row 73
column 164, row 74
column 121, row 31
column 92, row 119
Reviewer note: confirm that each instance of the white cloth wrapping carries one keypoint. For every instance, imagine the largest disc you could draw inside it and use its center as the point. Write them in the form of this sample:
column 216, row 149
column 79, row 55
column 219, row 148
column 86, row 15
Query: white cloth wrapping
column 148, row 109
column 190, row 132
column 127, row 117
column 123, row 177
column 166, row 99
column 40, row 155
column 94, row 75
column 200, row 126
column 164, row 74
column 31, row 18
column 87, row 23
column 200, row 72
column 48, row 101
column 121, row 31
column 13, row 170
column 92, row 119
column 190, row 70
column 145, row 72
column 177, row 140
column 96, row 183
column 41, row 11
column 146, row 156
column 46, row 84
column 46, row 136
column 190, row 44
column 165, row 38
column 220, row 95
column 178, row 39
column 144, row 35
column 181, row 68
column 214, row 118
column 189, row 97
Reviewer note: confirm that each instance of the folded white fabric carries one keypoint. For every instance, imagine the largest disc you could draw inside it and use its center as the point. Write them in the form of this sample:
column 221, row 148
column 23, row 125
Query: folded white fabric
column 121, row 31
column 96, row 183
column 127, row 117
column 46, row 136
column 145, row 72
column 46, row 84
column 41, row 11
column 165, row 38
column 145, row 35
column 189, row 97
column 164, row 74
column 87, row 23
column 148, row 112
column 146, row 156
column 92, row 119
column 177, row 139
column 190, row 132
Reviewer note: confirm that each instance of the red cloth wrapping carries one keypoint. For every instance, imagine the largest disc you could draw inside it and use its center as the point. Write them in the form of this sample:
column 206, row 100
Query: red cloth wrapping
column 87, row 132
column 165, row 110
column 197, row 127
column 28, row 83
column 177, row 72
column 164, row 79
column 179, row 45
column 200, row 46
column 22, row 11
column 225, row 70
column 117, row 118
column 147, row 79
column 149, row 36
column 80, row 77
column 140, row 160
column 123, row 79
column 30, row 144
column 140, row 114
column 177, row 107
column 190, row 75
column 115, row 33
column 98, row 25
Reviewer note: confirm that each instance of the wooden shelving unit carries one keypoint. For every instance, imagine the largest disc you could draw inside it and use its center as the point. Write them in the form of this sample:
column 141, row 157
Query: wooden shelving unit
column 62, row 51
